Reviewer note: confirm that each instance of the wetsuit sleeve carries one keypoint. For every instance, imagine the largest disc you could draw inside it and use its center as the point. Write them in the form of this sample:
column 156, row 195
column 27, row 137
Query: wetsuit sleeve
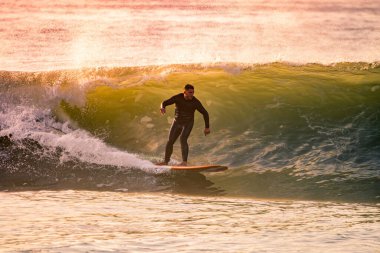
column 169, row 101
column 202, row 110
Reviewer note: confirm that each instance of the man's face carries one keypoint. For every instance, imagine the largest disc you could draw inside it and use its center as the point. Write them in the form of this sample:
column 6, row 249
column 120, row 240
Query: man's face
column 189, row 93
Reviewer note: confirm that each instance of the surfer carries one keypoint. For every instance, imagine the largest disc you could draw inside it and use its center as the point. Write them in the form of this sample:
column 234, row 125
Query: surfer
column 185, row 105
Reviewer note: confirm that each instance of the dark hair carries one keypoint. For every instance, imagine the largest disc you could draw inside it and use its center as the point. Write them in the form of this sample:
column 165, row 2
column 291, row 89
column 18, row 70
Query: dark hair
column 189, row 87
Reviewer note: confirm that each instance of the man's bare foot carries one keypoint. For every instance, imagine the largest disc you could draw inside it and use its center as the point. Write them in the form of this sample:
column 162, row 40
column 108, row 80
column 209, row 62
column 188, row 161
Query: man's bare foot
column 183, row 163
column 162, row 163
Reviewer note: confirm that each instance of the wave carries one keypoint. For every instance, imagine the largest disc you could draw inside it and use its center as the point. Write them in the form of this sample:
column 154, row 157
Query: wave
column 285, row 130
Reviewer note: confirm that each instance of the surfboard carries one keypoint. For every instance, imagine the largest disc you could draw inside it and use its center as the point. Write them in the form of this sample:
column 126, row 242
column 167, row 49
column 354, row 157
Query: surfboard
column 198, row 168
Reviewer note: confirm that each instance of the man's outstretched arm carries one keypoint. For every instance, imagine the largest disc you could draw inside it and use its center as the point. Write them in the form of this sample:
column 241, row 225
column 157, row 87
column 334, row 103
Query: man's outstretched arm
column 165, row 103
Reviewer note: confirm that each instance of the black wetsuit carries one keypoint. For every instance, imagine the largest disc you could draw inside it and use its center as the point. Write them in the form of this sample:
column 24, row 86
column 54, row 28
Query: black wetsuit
column 183, row 122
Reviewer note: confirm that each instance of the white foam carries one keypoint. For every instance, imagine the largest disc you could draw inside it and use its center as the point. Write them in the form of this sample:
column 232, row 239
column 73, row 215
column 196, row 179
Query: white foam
column 22, row 122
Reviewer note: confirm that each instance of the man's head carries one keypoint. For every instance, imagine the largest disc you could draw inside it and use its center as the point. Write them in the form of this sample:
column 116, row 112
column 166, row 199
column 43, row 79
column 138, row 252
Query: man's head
column 189, row 91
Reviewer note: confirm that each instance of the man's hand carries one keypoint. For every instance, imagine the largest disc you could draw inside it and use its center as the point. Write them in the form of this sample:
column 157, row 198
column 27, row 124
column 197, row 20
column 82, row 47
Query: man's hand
column 163, row 111
column 207, row 131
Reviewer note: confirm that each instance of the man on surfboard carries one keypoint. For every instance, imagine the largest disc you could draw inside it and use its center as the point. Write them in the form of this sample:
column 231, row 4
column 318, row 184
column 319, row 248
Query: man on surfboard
column 185, row 106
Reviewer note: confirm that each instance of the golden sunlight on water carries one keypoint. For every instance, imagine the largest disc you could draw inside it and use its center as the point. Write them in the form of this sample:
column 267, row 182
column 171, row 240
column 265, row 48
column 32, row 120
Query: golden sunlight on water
column 45, row 35
column 84, row 52
column 323, row 119
column 82, row 221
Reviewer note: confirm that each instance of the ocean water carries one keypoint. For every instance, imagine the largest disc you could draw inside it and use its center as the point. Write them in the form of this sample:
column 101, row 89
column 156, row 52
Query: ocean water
column 46, row 35
column 48, row 221
column 293, row 93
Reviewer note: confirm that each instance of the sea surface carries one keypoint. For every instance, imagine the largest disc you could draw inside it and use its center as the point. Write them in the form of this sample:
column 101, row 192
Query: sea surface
column 46, row 221
column 46, row 35
column 293, row 93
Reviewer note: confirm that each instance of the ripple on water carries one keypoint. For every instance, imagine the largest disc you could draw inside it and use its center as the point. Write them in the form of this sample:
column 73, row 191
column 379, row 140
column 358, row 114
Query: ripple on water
column 80, row 221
